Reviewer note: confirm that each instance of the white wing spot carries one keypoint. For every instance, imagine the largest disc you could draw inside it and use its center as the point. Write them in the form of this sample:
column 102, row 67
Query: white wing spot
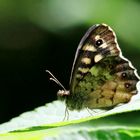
column 86, row 60
column 89, row 48
column 97, row 58
column 83, row 70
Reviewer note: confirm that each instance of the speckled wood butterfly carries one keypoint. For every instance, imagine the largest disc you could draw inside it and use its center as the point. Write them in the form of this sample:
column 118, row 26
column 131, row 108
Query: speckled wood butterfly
column 101, row 77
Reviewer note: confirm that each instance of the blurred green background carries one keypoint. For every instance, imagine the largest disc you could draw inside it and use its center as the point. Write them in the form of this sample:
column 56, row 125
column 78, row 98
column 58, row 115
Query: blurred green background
column 36, row 35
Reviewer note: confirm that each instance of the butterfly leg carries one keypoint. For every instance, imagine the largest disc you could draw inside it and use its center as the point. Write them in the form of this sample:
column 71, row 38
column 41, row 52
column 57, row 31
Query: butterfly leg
column 92, row 112
column 66, row 114
column 89, row 111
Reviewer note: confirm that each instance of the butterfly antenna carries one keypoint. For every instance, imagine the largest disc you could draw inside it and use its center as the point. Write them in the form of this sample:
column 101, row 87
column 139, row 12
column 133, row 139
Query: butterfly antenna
column 53, row 78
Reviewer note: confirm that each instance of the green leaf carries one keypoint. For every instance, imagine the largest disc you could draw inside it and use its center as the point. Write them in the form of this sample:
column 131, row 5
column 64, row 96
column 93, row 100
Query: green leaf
column 46, row 122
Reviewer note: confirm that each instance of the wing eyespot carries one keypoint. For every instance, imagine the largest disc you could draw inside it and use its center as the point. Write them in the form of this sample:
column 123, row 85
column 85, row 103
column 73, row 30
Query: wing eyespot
column 127, row 85
column 99, row 42
column 124, row 75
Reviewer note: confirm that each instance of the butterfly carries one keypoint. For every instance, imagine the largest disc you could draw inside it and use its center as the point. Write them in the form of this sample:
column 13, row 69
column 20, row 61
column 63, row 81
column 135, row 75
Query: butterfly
column 101, row 77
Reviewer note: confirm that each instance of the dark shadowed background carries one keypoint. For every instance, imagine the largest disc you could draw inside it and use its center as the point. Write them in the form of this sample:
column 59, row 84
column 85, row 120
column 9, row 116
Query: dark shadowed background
column 36, row 35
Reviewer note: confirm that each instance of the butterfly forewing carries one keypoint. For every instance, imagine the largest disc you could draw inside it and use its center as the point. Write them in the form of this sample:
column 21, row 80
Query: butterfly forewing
column 98, row 42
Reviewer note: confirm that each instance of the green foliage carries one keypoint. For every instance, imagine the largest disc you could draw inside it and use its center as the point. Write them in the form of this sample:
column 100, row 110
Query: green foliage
column 59, row 18
column 122, row 122
column 56, row 15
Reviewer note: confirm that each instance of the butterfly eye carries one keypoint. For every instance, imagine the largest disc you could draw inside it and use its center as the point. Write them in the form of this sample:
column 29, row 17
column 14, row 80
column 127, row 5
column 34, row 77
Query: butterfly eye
column 99, row 42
